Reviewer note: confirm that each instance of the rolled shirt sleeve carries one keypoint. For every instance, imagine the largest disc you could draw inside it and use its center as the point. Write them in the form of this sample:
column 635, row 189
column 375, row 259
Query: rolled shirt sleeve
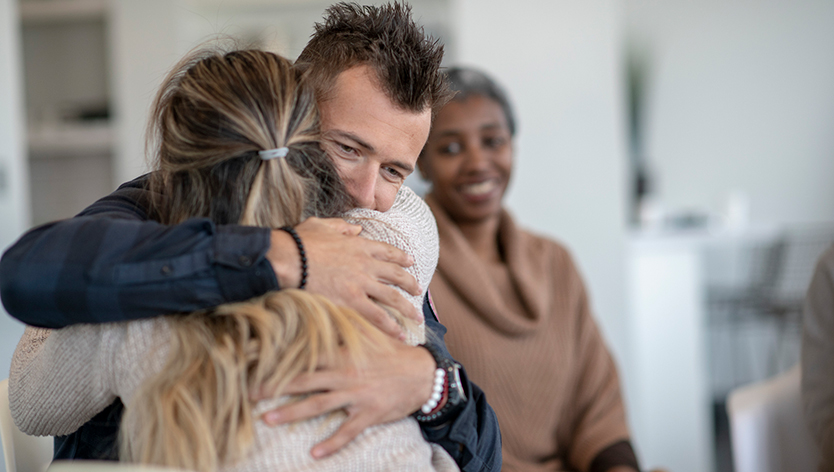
column 473, row 439
column 111, row 263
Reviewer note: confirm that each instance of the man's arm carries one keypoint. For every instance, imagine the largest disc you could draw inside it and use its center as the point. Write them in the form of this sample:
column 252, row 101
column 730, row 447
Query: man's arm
column 472, row 438
column 396, row 386
column 111, row 263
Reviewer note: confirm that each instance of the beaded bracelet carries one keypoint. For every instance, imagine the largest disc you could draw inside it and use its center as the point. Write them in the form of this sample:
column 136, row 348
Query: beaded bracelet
column 447, row 386
column 301, row 251
column 437, row 391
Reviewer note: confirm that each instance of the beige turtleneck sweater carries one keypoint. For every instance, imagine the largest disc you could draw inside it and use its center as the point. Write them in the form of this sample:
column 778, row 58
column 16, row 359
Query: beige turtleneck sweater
column 525, row 333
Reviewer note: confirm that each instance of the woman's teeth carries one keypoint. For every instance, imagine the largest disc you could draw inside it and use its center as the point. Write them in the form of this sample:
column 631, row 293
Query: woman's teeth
column 480, row 188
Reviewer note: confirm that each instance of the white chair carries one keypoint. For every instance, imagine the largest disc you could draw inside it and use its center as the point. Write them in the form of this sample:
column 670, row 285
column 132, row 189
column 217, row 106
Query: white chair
column 23, row 453
column 767, row 427
column 104, row 466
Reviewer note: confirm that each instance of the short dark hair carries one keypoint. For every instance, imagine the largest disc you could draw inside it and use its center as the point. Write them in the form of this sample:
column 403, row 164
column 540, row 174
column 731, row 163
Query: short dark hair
column 405, row 60
column 466, row 82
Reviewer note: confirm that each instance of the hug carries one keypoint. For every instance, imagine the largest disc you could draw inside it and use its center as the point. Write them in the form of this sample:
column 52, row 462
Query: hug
column 271, row 296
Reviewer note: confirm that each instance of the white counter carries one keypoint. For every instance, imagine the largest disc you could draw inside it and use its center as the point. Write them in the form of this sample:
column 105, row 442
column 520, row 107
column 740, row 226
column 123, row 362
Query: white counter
column 668, row 380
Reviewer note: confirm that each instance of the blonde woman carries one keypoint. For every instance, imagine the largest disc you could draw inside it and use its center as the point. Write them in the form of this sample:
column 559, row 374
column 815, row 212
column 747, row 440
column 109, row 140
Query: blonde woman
column 237, row 142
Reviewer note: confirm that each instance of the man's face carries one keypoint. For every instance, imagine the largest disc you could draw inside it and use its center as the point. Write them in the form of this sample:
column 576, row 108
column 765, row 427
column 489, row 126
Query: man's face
column 373, row 143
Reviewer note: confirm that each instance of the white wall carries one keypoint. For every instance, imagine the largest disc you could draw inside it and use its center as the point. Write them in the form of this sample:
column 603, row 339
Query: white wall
column 741, row 97
column 560, row 62
column 149, row 37
column 670, row 398
column 14, row 215
column 144, row 38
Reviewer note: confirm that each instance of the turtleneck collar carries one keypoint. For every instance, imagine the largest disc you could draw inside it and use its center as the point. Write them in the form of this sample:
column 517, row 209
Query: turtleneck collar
column 469, row 277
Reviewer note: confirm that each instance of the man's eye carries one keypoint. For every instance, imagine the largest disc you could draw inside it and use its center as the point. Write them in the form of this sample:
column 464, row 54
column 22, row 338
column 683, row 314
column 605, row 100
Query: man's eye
column 394, row 174
column 346, row 149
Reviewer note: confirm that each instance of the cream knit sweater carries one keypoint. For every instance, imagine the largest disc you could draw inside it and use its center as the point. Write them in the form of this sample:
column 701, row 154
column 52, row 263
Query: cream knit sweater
column 59, row 380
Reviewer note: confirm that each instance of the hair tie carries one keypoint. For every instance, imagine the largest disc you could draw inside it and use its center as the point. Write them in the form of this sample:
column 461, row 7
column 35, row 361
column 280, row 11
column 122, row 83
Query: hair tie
column 273, row 153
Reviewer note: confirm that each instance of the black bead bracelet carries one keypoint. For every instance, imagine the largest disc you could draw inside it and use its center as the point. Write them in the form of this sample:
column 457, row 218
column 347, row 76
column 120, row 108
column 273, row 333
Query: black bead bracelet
column 301, row 251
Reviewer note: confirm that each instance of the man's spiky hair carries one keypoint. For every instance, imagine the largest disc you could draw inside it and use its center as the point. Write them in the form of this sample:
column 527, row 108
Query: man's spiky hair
column 406, row 62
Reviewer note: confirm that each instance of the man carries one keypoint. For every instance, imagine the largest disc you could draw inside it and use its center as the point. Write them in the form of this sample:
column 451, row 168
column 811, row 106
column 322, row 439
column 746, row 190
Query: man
column 377, row 81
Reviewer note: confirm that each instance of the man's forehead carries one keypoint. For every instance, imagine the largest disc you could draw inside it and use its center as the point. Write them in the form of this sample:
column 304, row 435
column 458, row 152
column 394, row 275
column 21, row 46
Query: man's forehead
column 357, row 109
column 364, row 79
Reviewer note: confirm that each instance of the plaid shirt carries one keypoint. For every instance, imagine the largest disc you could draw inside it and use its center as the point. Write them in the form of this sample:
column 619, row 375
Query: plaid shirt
column 113, row 263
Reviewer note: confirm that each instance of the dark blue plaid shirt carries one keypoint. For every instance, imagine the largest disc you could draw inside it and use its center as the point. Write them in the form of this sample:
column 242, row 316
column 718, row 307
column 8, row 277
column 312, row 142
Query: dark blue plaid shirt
column 113, row 263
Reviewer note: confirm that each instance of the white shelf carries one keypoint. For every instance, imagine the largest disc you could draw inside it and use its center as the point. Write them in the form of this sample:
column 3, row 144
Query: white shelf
column 60, row 11
column 70, row 140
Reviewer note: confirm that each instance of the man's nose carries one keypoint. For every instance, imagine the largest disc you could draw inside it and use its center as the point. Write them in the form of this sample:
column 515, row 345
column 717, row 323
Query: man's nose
column 364, row 190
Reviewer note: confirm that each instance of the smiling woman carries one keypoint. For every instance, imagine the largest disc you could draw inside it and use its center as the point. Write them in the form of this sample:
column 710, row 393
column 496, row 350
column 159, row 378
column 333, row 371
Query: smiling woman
column 469, row 159
column 514, row 303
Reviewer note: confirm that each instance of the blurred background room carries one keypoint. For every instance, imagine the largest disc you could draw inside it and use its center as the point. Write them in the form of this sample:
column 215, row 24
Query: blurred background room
column 684, row 151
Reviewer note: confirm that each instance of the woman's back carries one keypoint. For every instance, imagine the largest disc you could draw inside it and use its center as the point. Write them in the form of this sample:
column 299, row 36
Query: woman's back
column 236, row 140
column 110, row 361
column 64, row 377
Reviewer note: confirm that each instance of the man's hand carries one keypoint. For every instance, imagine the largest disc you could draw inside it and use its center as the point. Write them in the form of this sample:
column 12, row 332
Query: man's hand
column 348, row 269
column 387, row 388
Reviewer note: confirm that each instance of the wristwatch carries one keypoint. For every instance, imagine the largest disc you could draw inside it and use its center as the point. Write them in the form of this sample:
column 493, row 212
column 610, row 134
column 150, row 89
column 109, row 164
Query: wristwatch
column 455, row 396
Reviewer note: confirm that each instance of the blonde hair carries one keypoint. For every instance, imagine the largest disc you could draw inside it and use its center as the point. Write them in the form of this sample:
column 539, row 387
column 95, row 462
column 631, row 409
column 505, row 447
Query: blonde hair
column 213, row 114
column 196, row 414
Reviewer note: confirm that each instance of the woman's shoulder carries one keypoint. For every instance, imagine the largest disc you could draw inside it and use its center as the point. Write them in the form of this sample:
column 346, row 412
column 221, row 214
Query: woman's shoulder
column 546, row 246
column 139, row 349
column 545, row 241
column 554, row 258
column 398, row 445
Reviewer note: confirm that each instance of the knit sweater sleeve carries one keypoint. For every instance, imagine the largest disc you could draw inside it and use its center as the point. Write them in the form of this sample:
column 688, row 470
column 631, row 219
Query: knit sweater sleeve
column 59, row 379
column 600, row 415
